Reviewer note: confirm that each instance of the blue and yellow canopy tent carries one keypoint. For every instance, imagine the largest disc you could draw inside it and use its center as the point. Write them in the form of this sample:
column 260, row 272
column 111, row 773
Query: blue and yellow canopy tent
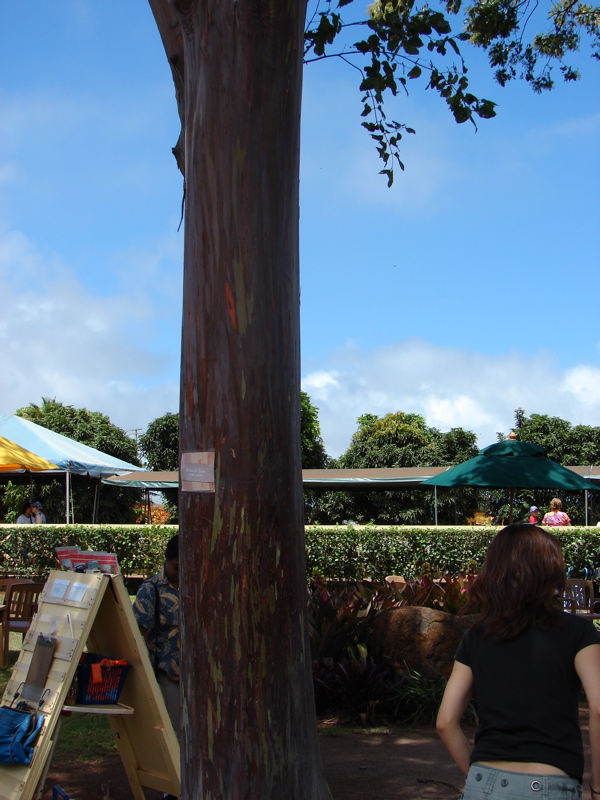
column 14, row 458
column 66, row 455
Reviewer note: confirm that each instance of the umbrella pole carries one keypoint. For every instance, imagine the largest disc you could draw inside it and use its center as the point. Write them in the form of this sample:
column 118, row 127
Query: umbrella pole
column 586, row 508
column 511, row 494
column 435, row 503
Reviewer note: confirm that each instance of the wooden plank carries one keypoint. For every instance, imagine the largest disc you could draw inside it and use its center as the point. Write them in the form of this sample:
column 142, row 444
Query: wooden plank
column 117, row 708
column 128, row 756
column 151, row 741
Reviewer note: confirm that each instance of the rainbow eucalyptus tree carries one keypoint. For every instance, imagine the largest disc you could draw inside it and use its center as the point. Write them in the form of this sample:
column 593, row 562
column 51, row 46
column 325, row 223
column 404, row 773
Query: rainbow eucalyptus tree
column 249, row 722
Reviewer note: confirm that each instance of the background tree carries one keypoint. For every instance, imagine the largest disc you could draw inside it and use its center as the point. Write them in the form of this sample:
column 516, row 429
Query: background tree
column 402, row 440
column 314, row 455
column 237, row 73
column 95, row 430
column 159, row 446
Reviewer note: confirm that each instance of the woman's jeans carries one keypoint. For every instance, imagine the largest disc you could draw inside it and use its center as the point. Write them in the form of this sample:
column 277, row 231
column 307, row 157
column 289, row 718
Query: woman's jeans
column 485, row 783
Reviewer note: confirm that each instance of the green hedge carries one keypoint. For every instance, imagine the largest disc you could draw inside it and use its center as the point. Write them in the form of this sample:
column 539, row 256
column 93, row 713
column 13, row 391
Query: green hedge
column 339, row 552
column 356, row 552
column 28, row 550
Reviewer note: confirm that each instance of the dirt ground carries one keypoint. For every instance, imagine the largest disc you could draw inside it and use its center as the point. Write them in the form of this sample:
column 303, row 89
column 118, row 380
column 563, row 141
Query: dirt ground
column 408, row 764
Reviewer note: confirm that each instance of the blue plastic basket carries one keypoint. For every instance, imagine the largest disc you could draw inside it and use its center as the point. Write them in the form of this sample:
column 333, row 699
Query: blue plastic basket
column 108, row 690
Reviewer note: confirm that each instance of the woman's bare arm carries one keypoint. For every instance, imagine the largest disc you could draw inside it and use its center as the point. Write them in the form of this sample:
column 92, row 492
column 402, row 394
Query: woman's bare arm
column 454, row 703
column 587, row 664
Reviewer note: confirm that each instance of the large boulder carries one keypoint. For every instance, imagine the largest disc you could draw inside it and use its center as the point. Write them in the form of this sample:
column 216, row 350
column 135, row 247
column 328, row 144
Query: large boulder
column 419, row 638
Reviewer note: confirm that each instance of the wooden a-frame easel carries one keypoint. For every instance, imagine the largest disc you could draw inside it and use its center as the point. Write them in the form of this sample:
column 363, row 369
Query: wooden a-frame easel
column 94, row 610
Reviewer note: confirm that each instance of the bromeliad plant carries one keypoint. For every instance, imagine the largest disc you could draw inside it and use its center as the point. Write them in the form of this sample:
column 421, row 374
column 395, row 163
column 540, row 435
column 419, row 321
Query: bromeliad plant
column 340, row 617
column 346, row 676
column 439, row 590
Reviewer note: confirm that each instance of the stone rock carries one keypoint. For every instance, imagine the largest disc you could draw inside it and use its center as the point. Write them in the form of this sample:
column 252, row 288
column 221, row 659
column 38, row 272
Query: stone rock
column 419, row 638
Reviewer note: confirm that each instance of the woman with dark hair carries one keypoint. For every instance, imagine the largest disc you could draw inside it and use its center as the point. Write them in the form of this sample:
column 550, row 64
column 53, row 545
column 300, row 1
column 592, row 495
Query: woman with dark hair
column 525, row 659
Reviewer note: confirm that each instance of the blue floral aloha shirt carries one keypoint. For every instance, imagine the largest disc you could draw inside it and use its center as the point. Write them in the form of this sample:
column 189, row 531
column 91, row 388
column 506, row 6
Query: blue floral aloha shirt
column 162, row 622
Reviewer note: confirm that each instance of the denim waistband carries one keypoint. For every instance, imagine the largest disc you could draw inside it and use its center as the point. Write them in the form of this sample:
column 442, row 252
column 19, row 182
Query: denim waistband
column 503, row 783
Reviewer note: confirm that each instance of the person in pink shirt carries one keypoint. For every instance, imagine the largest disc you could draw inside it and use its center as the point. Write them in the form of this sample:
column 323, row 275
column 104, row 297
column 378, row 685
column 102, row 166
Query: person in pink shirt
column 556, row 516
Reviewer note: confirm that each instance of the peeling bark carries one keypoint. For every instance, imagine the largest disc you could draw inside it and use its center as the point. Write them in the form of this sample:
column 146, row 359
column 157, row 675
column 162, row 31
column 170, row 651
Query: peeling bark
column 249, row 722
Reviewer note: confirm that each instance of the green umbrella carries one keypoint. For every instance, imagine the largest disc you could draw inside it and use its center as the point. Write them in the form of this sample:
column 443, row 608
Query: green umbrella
column 511, row 465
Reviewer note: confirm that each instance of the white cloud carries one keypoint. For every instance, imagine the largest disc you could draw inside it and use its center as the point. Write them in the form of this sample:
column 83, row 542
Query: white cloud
column 58, row 339
column 583, row 383
column 449, row 387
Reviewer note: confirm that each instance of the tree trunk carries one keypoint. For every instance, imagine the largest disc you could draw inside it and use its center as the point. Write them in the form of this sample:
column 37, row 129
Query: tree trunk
column 248, row 712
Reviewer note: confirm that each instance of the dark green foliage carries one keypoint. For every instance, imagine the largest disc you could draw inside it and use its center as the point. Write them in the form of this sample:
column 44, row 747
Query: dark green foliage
column 345, row 677
column 95, row 430
column 340, row 617
column 159, row 445
column 398, row 41
column 566, row 443
column 417, row 699
column 313, row 449
column 314, row 455
column 360, row 687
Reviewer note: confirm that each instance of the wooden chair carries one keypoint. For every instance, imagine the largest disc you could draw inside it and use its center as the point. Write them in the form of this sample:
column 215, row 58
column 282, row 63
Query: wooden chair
column 6, row 582
column 579, row 597
column 20, row 604
column 397, row 582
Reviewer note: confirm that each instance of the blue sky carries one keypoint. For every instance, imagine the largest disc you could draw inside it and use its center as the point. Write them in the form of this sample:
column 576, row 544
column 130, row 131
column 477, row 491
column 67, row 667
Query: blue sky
column 467, row 290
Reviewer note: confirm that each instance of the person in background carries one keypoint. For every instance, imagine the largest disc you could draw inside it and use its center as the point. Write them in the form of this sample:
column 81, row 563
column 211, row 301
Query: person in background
column 526, row 659
column 39, row 518
column 556, row 516
column 534, row 515
column 156, row 609
column 24, row 517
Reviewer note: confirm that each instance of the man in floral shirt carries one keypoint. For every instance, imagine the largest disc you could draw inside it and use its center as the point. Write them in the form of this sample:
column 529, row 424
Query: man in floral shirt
column 156, row 609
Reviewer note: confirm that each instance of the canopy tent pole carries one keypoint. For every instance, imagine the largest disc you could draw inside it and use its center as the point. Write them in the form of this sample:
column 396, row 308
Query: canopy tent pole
column 586, row 507
column 435, row 503
column 67, row 482
column 96, row 504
